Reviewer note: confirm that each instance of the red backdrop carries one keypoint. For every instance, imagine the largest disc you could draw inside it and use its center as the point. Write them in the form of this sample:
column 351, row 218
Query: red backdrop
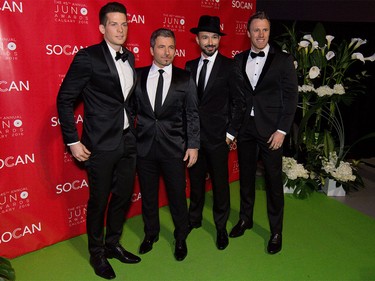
column 43, row 191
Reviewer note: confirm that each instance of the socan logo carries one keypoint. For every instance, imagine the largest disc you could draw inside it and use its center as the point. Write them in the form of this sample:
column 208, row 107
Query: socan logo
column 14, row 86
column 71, row 186
column 180, row 53
column 71, row 12
column 58, row 50
column 11, row 6
column 139, row 19
column 17, row 160
column 210, row 4
column 15, row 199
column 245, row 5
column 56, row 122
column 11, row 126
column 175, row 23
column 20, row 232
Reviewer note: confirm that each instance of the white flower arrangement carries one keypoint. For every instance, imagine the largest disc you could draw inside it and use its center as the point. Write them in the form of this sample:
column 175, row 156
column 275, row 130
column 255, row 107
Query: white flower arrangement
column 294, row 170
column 340, row 171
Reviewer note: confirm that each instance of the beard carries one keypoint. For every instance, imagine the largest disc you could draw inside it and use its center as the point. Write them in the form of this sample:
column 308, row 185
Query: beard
column 209, row 52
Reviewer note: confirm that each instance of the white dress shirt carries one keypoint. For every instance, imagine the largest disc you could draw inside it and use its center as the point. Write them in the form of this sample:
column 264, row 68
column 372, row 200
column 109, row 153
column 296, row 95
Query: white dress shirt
column 125, row 73
column 152, row 82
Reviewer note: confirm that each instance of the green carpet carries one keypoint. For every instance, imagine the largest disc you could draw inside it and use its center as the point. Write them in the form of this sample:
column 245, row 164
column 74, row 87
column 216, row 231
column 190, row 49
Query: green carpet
column 322, row 240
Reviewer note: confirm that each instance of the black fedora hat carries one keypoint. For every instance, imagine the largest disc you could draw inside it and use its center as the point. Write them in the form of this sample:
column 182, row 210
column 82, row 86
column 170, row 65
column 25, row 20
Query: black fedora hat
column 209, row 24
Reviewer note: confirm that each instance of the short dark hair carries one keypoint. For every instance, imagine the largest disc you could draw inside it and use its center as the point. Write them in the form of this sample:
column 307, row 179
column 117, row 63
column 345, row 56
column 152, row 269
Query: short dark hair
column 111, row 7
column 261, row 15
column 164, row 32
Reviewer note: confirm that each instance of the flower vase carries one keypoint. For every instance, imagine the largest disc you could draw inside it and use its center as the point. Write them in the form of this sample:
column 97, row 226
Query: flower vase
column 331, row 189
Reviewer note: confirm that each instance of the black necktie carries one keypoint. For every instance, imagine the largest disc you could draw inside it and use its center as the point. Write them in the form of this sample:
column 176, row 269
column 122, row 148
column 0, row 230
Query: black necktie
column 254, row 55
column 202, row 78
column 159, row 93
column 122, row 56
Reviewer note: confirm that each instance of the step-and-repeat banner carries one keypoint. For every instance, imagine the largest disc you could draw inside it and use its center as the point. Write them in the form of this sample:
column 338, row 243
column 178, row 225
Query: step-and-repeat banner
column 43, row 190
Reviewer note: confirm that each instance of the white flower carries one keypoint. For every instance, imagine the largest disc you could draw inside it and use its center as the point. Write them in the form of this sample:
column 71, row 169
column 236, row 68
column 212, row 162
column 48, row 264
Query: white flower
column 359, row 43
column 293, row 170
column 303, row 45
column 308, row 37
column 329, row 40
column 338, row 89
column 324, row 91
column 306, row 88
column 314, row 46
column 295, row 64
column 358, row 56
column 372, row 58
column 330, row 55
column 343, row 172
column 353, row 41
column 314, row 72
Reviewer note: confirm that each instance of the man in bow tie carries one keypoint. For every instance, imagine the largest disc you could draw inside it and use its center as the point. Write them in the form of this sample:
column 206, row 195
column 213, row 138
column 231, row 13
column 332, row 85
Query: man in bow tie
column 271, row 94
column 104, row 76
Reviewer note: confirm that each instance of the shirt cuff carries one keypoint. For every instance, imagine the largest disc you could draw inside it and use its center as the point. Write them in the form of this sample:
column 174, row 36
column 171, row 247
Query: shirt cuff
column 280, row 131
column 73, row 143
column 229, row 136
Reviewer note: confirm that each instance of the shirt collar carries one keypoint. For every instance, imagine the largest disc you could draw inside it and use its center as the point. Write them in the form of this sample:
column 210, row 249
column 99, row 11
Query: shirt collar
column 113, row 52
column 210, row 58
column 265, row 50
column 167, row 69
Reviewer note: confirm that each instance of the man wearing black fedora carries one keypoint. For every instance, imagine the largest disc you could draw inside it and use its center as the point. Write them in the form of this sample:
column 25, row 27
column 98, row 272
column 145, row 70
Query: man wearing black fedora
column 221, row 108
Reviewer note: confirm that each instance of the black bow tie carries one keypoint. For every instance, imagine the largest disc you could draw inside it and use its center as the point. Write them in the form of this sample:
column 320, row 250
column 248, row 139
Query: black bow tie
column 254, row 55
column 122, row 56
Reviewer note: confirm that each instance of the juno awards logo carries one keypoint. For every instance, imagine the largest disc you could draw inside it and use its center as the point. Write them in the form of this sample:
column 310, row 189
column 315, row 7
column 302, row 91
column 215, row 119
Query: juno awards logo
column 13, row 200
column 11, row 127
column 174, row 22
column 71, row 12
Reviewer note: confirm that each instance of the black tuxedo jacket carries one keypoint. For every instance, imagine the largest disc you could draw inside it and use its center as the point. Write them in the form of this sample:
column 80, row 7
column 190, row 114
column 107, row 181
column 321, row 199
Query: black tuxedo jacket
column 275, row 95
column 93, row 75
column 177, row 127
column 222, row 105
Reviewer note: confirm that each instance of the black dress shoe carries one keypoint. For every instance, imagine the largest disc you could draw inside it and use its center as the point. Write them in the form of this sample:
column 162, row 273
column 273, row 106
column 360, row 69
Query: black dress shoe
column 222, row 239
column 180, row 250
column 118, row 252
column 146, row 245
column 239, row 228
column 275, row 243
column 102, row 267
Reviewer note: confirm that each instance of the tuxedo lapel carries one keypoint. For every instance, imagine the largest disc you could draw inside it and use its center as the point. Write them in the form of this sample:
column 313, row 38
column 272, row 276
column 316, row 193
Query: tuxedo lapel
column 145, row 96
column 131, row 63
column 243, row 69
column 267, row 64
column 111, row 65
column 172, row 88
column 213, row 74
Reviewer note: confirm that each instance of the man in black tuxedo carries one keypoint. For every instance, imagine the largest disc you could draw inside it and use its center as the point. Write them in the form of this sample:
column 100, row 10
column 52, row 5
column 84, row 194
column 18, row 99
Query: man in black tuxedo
column 167, row 135
column 271, row 93
column 105, row 81
column 221, row 107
